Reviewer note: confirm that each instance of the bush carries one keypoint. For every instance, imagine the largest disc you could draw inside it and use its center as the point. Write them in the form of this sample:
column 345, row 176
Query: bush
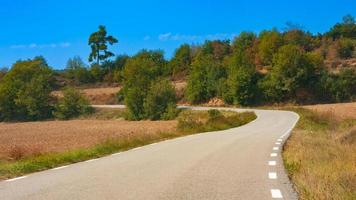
column 25, row 91
column 160, row 101
column 345, row 48
column 73, row 104
column 139, row 72
column 77, row 71
column 214, row 114
column 211, row 120
column 205, row 72
column 120, row 97
column 293, row 70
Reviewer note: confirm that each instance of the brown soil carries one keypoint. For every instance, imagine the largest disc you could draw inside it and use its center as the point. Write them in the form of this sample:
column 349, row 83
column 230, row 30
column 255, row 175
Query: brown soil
column 341, row 110
column 31, row 138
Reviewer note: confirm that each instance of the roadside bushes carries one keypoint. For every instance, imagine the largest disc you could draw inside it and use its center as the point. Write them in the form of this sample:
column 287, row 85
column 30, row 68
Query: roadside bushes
column 25, row 91
column 25, row 94
column 339, row 87
column 146, row 94
column 160, row 101
column 73, row 104
column 202, row 121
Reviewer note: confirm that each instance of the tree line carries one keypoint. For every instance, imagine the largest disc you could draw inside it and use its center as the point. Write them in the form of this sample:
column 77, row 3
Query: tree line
column 252, row 69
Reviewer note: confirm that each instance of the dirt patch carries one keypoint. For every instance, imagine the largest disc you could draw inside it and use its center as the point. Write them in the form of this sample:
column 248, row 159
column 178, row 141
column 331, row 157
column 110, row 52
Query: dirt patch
column 31, row 138
column 340, row 110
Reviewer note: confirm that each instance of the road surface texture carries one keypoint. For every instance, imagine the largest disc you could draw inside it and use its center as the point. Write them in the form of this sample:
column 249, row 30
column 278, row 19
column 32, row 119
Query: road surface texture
column 239, row 163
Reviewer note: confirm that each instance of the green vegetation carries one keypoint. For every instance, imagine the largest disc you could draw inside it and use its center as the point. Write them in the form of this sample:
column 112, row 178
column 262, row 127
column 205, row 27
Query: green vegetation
column 292, row 71
column 73, row 104
column 180, row 63
column 25, row 94
column 99, row 42
column 160, row 102
column 25, row 91
column 346, row 47
column 77, row 71
column 320, row 156
column 211, row 122
column 141, row 75
column 291, row 66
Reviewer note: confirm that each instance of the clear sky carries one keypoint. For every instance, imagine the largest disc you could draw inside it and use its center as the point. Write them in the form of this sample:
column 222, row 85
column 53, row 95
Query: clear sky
column 59, row 29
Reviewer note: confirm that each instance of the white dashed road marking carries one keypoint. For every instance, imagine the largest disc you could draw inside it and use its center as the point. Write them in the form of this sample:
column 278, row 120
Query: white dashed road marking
column 277, row 143
column 275, row 148
column 273, row 154
column 280, row 140
column 276, row 194
column 14, row 179
column 272, row 175
column 272, row 163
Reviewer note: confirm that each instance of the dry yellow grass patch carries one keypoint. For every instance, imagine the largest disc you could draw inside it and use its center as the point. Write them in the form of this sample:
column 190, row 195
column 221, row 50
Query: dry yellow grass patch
column 320, row 156
column 30, row 138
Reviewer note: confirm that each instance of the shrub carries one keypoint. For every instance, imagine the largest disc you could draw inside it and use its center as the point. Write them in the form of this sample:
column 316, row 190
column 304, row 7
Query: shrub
column 214, row 114
column 205, row 72
column 73, row 104
column 120, row 97
column 160, row 101
column 293, row 70
column 25, row 91
column 188, row 120
column 139, row 72
column 345, row 48
column 212, row 120
column 77, row 71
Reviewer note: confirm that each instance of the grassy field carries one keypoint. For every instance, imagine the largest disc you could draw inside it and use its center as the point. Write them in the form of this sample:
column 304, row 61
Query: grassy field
column 320, row 156
column 65, row 142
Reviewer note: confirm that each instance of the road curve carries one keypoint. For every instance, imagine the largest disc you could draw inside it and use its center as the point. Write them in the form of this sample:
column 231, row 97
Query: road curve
column 239, row 163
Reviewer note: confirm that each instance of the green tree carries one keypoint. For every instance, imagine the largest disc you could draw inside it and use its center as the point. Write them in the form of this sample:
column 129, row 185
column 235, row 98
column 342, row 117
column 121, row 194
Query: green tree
column 345, row 29
column 160, row 102
column 77, row 71
column 97, row 73
column 99, row 42
column 218, row 49
column 72, row 104
column 180, row 63
column 139, row 72
column 205, row 73
column 346, row 47
column 25, row 91
column 299, row 38
column 292, row 70
column 241, row 86
column 269, row 43
column 242, row 78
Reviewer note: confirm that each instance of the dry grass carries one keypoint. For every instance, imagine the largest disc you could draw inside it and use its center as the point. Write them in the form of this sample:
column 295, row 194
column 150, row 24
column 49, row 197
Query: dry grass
column 18, row 140
column 320, row 156
column 104, row 95
column 340, row 110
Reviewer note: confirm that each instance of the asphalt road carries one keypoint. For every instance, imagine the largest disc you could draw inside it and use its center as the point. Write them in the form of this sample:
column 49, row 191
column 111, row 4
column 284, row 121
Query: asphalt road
column 239, row 163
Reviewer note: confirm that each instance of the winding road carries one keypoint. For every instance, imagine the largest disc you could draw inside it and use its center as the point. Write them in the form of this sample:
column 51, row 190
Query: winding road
column 239, row 163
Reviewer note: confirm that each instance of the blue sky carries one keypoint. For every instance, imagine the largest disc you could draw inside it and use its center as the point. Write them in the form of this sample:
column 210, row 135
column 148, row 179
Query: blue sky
column 59, row 30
